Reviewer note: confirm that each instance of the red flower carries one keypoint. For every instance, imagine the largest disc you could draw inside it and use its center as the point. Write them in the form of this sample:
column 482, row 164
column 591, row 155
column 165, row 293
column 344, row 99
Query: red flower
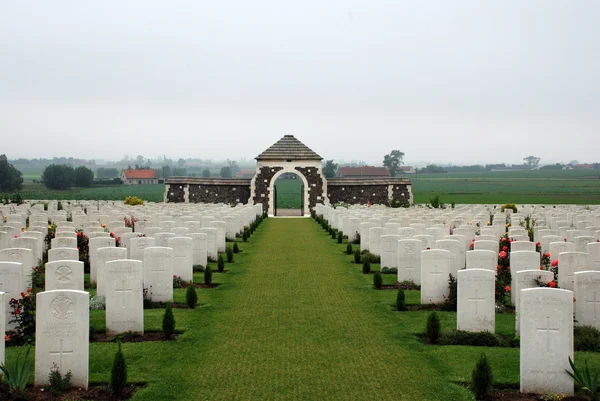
column 502, row 254
column 79, row 233
column 18, row 312
column 574, row 300
column 552, row 284
column 547, row 254
column 498, row 267
column 555, row 263
column 505, row 248
column 507, row 288
column 6, row 337
column 537, row 244
column 22, row 294
column 565, row 240
column 29, row 290
column 503, row 239
column 541, row 268
column 511, row 240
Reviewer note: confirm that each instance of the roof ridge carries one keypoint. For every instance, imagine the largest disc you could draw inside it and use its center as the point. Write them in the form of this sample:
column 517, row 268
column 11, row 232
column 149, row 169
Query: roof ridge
column 288, row 148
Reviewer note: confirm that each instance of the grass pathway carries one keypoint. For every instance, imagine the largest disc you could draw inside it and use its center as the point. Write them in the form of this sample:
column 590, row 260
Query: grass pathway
column 297, row 323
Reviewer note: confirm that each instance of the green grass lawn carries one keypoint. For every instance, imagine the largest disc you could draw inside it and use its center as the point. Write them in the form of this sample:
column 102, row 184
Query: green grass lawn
column 289, row 193
column 294, row 318
column 152, row 193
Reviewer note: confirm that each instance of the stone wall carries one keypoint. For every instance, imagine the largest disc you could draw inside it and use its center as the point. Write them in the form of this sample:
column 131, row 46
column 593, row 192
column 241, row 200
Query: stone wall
column 199, row 193
column 315, row 185
column 175, row 193
column 262, row 182
column 363, row 191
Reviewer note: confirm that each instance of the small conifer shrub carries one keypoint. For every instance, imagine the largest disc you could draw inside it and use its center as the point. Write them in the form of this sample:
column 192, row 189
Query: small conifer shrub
column 191, row 298
column 356, row 256
column 433, row 328
column 236, row 248
column 168, row 324
column 377, row 280
column 118, row 376
column 482, row 378
column 366, row 267
column 401, row 301
column 229, row 254
column 208, row 275
column 245, row 235
column 340, row 237
column 220, row 264
column 349, row 249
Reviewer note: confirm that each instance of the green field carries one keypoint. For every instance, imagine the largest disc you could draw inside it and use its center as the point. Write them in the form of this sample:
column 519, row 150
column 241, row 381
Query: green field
column 294, row 319
column 289, row 193
column 541, row 187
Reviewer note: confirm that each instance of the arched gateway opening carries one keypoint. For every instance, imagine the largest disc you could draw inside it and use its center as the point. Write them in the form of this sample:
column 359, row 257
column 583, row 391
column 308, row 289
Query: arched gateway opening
column 289, row 195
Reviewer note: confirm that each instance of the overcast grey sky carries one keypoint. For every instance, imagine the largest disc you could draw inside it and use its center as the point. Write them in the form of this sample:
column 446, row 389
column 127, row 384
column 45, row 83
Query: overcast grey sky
column 443, row 81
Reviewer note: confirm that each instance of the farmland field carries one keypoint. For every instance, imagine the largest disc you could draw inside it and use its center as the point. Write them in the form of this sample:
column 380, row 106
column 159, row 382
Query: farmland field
column 538, row 187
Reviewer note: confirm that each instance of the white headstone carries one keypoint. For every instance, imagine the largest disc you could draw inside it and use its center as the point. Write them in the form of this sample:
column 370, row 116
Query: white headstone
column 162, row 239
column 106, row 255
column 11, row 281
column 587, row 298
column 211, row 250
column 62, row 242
column 158, row 273
column 482, row 259
column 124, row 296
column 64, row 274
column 476, row 303
column 183, row 257
column 137, row 246
column 55, row 254
column 375, row 234
column 516, row 246
column 522, row 260
column 2, row 325
column 200, row 255
column 94, row 245
column 546, row 340
column 527, row 279
column 454, row 247
column 409, row 260
column 593, row 249
column 62, row 335
column 435, row 268
column 570, row 263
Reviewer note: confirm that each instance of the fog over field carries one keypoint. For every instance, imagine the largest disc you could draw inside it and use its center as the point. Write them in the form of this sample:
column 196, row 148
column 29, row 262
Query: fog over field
column 462, row 82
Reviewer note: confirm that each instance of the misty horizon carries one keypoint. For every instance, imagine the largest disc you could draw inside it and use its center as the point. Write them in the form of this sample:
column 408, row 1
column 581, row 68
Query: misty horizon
column 462, row 82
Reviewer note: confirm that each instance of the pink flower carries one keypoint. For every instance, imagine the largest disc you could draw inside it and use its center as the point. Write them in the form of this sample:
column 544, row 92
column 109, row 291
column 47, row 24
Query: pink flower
column 502, row 254
column 505, row 248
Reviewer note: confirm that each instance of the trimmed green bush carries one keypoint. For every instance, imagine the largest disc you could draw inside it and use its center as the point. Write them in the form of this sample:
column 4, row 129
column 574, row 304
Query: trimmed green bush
column 473, row 339
column 401, row 301
column 208, row 275
column 377, row 280
column 229, row 253
column 168, row 324
column 118, row 376
column 220, row 264
column 191, row 298
column 587, row 338
column 482, row 378
column 246, row 234
column 366, row 267
column 340, row 237
column 433, row 328
column 333, row 234
column 236, row 248
column 356, row 256
column 349, row 249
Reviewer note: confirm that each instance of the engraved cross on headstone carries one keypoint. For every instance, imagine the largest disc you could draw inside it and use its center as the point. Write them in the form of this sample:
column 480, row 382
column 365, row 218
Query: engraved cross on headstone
column 476, row 299
column 60, row 353
column 123, row 290
column 410, row 269
column 547, row 329
column 436, row 274
column 595, row 304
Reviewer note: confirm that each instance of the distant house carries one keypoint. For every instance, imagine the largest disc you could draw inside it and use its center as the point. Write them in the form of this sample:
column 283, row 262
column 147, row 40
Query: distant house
column 245, row 174
column 585, row 166
column 139, row 177
column 407, row 169
column 362, row 172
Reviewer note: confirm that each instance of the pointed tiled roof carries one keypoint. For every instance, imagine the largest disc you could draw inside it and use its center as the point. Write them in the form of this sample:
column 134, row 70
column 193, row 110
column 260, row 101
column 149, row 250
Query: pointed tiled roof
column 288, row 148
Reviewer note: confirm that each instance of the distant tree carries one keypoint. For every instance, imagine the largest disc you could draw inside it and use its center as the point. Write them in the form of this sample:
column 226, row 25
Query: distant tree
column 166, row 172
column 393, row 161
column 139, row 160
column 532, row 161
column 181, row 163
column 206, row 173
column 58, row 176
column 84, row 177
column 226, row 172
column 11, row 179
column 179, row 172
column 432, row 169
column 556, row 166
column 330, row 169
column 233, row 166
column 104, row 173
column 573, row 162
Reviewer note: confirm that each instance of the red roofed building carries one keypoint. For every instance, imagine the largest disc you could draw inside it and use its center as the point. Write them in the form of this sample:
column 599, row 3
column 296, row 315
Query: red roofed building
column 139, row 177
column 362, row 172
